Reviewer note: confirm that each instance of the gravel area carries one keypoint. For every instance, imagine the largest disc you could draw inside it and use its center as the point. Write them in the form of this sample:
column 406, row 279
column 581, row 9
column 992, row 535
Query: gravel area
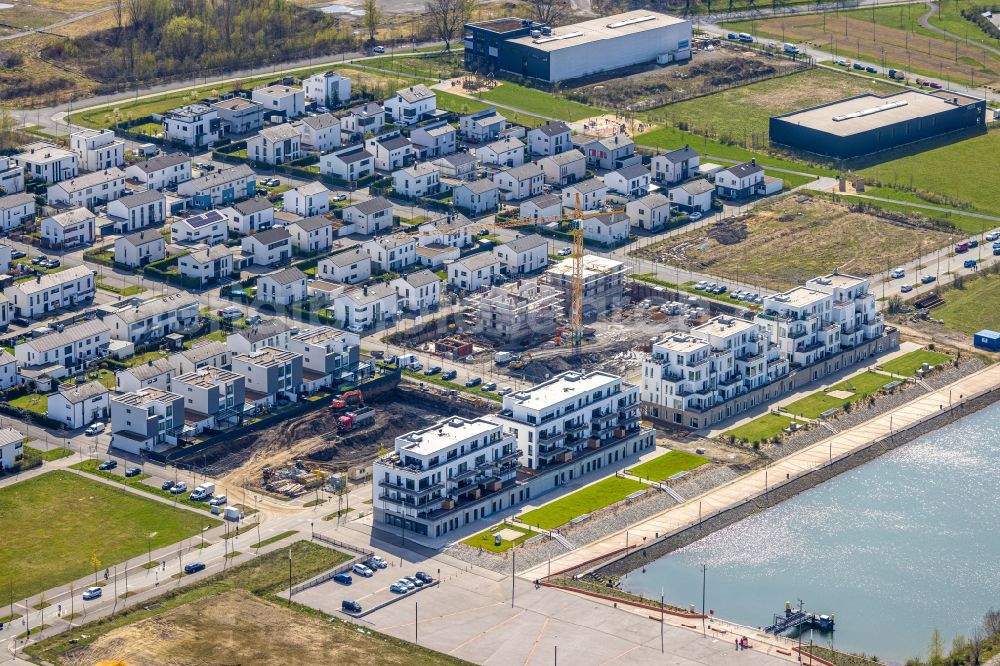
column 697, row 483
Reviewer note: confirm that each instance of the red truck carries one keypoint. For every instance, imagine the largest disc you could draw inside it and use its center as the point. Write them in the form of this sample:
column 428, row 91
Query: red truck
column 356, row 419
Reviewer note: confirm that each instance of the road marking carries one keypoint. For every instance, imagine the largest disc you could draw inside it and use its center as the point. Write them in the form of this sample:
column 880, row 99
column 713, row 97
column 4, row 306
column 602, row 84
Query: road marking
column 617, row 657
column 483, row 632
column 534, row 645
column 441, row 617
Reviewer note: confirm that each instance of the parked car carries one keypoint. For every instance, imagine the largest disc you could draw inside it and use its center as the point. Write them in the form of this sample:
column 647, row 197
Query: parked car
column 179, row 487
column 194, row 567
column 95, row 428
column 897, row 273
column 398, row 588
column 871, row 70
column 906, row 288
column 490, row 386
column 340, row 197
column 449, row 375
column 969, row 263
column 474, row 381
column 415, row 581
column 505, row 390
column 343, row 578
column 565, row 251
column 973, row 243
column 133, row 471
column 378, row 49
column 992, row 236
column 433, row 370
column 39, row 258
column 407, row 584
column 362, row 570
column 426, row 578
column 17, row 254
column 272, row 182
column 166, row 485
column 230, row 313
column 927, row 279
column 350, row 606
column 218, row 500
column 379, row 562
column 92, row 593
column 859, row 66
column 108, row 465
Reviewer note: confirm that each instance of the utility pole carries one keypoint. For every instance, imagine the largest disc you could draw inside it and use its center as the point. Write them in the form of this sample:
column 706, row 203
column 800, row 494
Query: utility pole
column 513, row 557
column 289, row 575
column 661, row 620
column 704, row 573
column 416, row 616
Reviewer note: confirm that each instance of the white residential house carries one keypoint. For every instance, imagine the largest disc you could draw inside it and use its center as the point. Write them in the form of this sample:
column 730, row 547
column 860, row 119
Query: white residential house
column 137, row 211
column 366, row 306
column 411, row 105
column 542, row 206
column 145, row 420
column 370, row 217
column 282, row 287
column 307, row 200
column 347, row 267
column 11, row 448
column 70, row 228
column 608, row 228
column 588, row 193
column 155, row 373
column 740, row 181
column 434, row 140
column 270, row 333
column 45, row 162
column 551, row 138
column 693, row 196
column 520, row 182
column 675, row 166
column 392, row 253
column 631, row 181
column 221, row 187
column 435, row 256
column 239, row 116
column 319, row 134
column 139, row 249
column 482, row 126
column 148, row 321
column 15, row 210
column 207, row 265
column 78, row 405
column 368, row 118
column 275, row 145
column 202, row 355
column 268, row 248
column 250, row 216
column 351, row 164
column 473, row 272
column 5, row 258
column 270, row 373
column 391, row 151
column 329, row 356
column 461, row 166
column 328, row 89
column 565, row 168
column 613, row 152
column 8, row 370
column 11, row 176
column 213, row 398
column 286, row 101
column 418, row 291
column 195, row 125
column 525, row 254
column 451, row 230
column 651, row 212
column 505, row 152
column 72, row 348
column 97, row 149
column 47, row 293
column 419, row 180
column 89, row 190
column 161, row 172
column 312, row 235
column 477, row 197
column 210, row 227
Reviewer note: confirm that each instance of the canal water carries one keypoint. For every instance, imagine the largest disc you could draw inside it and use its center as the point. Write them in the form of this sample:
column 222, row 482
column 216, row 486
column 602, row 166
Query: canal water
column 900, row 546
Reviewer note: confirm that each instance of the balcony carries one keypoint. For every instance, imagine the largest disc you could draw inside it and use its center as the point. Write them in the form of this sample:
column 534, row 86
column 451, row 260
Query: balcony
column 412, row 491
column 601, row 418
column 731, row 380
column 628, row 420
column 574, row 428
column 551, row 437
column 461, row 476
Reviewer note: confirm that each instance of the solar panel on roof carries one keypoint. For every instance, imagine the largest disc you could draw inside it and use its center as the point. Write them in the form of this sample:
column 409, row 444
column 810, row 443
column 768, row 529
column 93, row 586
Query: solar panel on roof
column 211, row 217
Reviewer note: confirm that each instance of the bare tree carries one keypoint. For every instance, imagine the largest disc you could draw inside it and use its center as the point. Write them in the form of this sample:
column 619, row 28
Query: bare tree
column 975, row 645
column 549, row 11
column 446, row 17
column 991, row 623
column 118, row 11
column 372, row 19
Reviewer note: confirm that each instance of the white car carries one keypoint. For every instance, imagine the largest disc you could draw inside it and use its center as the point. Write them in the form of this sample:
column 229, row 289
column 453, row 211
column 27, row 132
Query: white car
column 95, row 428
column 379, row 49
column 354, row 328
column 505, row 390
column 565, row 252
column 340, row 197
column 362, row 570
column 695, row 216
column 407, row 584
column 992, row 236
column 92, row 593
column 897, row 273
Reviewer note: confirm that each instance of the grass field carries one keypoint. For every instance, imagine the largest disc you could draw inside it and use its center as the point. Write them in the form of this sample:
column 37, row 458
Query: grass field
column 665, row 466
column 136, row 482
column 861, row 386
column 206, row 623
column 949, row 17
column 761, row 428
column 437, row 66
column 539, row 102
column 53, row 524
column 33, row 402
column 908, row 364
column 741, row 115
column 973, row 308
column 964, row 223
column 50, row 455
column 588, row 499
column 464, row 105
column 486, row 541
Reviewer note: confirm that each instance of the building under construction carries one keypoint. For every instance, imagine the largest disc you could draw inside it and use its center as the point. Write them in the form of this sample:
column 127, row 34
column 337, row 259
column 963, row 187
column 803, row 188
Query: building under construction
column 514, row 312
column 603, row 283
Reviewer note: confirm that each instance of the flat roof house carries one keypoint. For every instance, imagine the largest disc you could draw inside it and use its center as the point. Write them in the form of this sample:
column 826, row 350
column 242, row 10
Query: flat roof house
column 213, row 398
column 270, row 373
column 239, row 115
column 45, row 162
column 97, row 149
column 328, row 89
column 146, row 420
column 194, row 125
column 329, row 356
column 286, row 101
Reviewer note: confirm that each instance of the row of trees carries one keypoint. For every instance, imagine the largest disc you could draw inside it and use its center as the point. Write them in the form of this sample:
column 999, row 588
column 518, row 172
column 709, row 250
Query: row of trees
column 964, row 651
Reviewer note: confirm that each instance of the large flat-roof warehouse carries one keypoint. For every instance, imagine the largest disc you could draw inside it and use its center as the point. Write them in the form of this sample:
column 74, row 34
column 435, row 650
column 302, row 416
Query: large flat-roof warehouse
column 869, row 123
column 523, row 48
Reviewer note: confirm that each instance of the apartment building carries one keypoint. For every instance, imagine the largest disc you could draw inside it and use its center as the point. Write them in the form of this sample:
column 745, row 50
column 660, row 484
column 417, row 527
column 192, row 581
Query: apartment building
column 97, row 149
column 147, row 321
column 50, row 292
column 146, row 420
column 603, row 283
column 213, row 398
column 329, row 356
column 195, row 125
column 514, row 312
column 270, row 373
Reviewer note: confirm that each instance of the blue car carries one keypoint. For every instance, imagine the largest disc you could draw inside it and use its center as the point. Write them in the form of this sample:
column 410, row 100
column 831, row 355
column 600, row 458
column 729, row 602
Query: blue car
column 969, row 263
column 194, row 567
column 343, row 578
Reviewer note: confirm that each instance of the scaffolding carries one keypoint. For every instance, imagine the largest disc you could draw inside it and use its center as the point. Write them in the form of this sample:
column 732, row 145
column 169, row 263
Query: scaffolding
column 514, row 312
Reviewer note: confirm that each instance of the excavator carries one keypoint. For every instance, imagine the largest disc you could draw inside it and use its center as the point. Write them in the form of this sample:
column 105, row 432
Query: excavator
column 353, row 397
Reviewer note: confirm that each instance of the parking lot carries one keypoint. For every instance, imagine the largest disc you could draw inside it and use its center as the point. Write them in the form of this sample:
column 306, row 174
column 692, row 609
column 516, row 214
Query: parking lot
column 368, row 592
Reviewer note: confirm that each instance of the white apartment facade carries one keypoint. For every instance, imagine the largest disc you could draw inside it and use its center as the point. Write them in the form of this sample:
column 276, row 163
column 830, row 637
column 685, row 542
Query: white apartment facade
column 97, row 149
column 50, row 292
column 195, row 125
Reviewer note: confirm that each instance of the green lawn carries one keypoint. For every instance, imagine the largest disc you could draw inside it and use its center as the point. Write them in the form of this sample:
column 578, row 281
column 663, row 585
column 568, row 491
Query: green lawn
column 274, row 539
column 539, row 102
column 50, row 455
column 33, row 402
column 217, row 335
column 950, row 18
column 973, row 308
column 861, row 385
column 465, row 105
column 142, row 359
column 55, row 523
column 588, row 499
column 130, row 290
column 136, row 482
column 436, row 66
column 436, row 379
column 665, row 466
column 761, row 428
column 908, row 364
column 485, row 539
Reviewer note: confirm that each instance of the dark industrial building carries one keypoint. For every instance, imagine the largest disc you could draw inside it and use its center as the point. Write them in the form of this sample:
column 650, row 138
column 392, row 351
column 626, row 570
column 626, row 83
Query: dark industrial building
column 867, row 124
column 523, row 48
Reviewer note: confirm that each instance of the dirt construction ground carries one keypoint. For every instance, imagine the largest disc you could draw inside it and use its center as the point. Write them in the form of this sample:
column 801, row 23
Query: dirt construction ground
column 215, row 631
column 783, row 244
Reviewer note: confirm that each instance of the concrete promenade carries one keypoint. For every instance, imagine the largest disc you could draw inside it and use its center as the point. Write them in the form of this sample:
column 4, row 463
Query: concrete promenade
column 738, row 491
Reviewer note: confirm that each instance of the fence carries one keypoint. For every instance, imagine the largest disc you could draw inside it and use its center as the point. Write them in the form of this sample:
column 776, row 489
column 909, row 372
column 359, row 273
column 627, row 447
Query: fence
column 362, row 554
